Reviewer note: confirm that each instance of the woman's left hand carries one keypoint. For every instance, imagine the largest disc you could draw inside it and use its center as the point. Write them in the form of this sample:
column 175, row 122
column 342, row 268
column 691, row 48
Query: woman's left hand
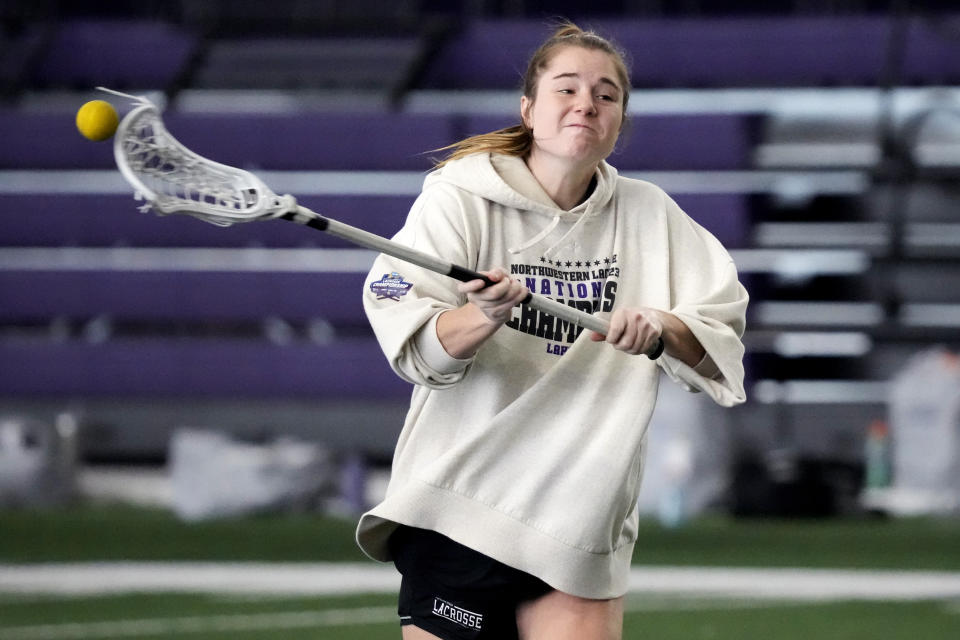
column 635, row 330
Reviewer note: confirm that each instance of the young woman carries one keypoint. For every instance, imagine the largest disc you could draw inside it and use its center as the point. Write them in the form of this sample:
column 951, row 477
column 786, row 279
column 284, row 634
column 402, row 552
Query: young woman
column 511, row 510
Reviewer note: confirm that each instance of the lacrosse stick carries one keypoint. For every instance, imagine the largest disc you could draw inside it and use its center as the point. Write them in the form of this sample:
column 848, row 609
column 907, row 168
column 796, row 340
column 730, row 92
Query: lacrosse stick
column 171, row 179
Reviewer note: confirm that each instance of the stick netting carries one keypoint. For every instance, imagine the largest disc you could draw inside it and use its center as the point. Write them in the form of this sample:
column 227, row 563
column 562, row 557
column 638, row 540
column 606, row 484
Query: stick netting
column 173, row 179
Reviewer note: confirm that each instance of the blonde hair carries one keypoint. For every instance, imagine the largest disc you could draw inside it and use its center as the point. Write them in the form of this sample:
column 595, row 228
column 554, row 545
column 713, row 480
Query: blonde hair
column 518, row 139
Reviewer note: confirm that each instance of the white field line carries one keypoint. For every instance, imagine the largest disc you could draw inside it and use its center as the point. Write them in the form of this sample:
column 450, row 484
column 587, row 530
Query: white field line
column 797, row 584
column 318, row 619
column 303, row 619
column 237, row 623
column 211, row 577
column 202, row 624
column 651, row 588
column 351, row 578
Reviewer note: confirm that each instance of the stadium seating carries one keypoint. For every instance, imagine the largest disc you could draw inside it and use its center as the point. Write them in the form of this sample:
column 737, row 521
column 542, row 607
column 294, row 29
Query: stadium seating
column 715, row 52
column 205, row 329
column 162, row 296
column 314, row 141
column 189, row 369
column 120, row 54
column 113, row 220
column 663, row 141
column 343, row 141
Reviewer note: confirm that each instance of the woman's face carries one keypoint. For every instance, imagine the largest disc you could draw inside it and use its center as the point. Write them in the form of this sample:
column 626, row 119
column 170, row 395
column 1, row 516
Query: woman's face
column 578, row 109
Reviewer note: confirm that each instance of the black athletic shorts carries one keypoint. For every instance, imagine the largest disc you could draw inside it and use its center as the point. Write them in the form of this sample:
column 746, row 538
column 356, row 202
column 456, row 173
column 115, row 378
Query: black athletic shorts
column 456, row 593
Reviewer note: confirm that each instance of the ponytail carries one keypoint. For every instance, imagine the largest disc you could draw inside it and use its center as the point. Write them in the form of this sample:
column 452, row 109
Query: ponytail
column 511, row 141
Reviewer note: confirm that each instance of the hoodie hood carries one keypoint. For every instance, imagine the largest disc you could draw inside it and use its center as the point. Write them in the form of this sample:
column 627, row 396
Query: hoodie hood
column 476, row 174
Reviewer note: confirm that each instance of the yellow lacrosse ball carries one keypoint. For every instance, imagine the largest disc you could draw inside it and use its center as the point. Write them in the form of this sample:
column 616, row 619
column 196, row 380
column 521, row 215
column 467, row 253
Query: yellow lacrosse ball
column 97, row 120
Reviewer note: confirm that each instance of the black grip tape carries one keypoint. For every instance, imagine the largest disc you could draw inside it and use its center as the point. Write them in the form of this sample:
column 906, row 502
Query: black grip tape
column 658, row 351
column 319, row 222
column 466, row 275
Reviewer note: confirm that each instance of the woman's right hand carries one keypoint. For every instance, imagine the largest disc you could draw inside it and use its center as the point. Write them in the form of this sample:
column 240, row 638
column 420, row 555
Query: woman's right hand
column 495, row 301
column 463, row 330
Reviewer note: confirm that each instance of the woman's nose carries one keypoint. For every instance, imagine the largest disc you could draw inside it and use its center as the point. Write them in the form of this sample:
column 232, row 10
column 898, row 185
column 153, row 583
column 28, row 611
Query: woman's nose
column 586, row 105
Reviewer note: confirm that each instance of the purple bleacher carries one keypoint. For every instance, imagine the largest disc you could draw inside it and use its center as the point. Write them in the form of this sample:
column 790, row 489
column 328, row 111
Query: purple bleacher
column 689, row 52
column 774, row 52
column 230, row 296
column 484, row 54
column 663, row 142
column 350, row 368
column 97, row 220
column 120, row 54
column 48, row 141
column 932, row 51
column 19, row 50
column 686, row 142
column 314, row 141
column 301, row 141
column 725, row 215
column 30, row 295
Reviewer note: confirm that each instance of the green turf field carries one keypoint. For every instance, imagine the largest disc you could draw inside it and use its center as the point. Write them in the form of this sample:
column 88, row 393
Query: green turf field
column 372, row 618
column 124, row 533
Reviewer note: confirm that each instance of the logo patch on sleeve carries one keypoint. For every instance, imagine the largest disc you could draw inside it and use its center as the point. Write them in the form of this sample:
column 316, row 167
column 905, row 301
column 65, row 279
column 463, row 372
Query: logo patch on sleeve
column 390, row 286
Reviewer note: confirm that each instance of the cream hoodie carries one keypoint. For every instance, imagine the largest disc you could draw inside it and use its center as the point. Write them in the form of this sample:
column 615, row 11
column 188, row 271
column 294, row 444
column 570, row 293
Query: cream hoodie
column 531, row 451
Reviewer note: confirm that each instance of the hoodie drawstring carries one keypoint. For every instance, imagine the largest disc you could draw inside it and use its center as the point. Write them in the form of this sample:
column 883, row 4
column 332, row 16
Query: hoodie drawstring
column 549, row 228
column 537, row 238
column 572, row 230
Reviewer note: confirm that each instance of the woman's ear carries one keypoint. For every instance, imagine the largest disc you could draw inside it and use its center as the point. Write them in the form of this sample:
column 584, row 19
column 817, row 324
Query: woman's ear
column 526, row 105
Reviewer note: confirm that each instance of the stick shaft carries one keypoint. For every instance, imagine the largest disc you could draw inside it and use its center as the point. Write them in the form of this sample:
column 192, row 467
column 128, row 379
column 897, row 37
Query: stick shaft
column 378, row 243
column 305, row 216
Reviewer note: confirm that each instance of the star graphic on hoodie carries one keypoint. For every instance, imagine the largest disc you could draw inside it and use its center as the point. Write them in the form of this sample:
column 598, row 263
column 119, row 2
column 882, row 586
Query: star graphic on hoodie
column 568, row 263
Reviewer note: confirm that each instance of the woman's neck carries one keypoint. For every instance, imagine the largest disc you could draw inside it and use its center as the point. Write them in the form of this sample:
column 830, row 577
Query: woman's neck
column 566, row 185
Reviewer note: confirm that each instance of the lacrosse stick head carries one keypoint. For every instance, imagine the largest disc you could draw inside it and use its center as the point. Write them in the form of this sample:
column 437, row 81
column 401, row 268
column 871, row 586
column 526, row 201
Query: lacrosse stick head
column 171, row 178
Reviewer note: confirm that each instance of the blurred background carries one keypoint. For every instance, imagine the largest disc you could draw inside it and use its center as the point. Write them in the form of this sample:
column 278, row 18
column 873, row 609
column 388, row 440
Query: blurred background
column 199, row 375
